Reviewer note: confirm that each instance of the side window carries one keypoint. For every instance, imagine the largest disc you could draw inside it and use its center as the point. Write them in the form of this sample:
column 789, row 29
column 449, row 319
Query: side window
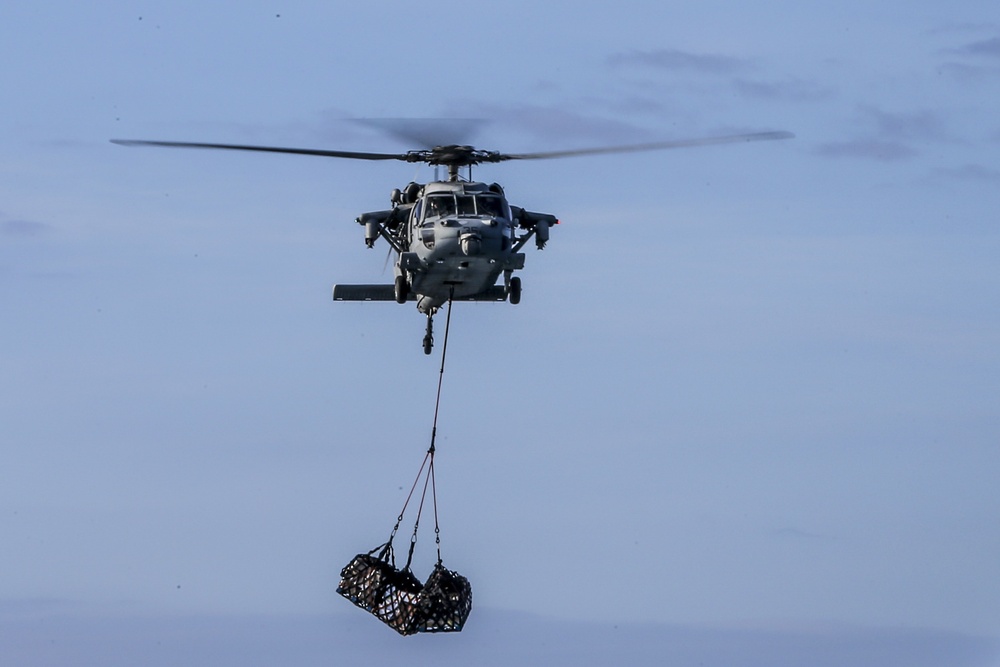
column 490, row 205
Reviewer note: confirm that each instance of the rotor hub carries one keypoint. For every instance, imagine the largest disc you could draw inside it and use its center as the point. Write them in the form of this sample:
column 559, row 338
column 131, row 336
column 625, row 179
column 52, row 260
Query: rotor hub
column 454, row 156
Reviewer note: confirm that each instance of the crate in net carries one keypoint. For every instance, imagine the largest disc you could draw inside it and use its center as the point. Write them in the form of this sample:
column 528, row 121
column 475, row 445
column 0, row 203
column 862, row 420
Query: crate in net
column 379, row 588
column 444, row 603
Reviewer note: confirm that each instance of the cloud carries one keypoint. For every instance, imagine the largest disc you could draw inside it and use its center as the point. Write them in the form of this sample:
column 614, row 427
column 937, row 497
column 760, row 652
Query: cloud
column 793, row 90
column 912, row 126
column 985, row 47
column 673, row 60
column 792, row 533
column 22, row 228
column 964, row 27
column 872, row 149
column 972, row 173
column 887, row 136
column 632, row 104
column 676, row 60
column 964, row 72
column 986, row 54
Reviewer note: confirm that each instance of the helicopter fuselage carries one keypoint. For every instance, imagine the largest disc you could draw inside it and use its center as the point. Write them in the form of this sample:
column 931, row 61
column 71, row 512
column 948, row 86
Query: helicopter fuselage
column 454, row 239
column 460, row 238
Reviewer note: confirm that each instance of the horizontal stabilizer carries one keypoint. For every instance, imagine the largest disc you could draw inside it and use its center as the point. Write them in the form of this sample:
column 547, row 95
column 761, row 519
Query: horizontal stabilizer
column 495, row 293
column 364, row 293
column 388, row 293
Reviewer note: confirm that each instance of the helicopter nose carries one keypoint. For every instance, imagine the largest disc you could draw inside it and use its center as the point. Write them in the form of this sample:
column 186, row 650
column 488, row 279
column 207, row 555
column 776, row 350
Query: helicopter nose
column 471, row 244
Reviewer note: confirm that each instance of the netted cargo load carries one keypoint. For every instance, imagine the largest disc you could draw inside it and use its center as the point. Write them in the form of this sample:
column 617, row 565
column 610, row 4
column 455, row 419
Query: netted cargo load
column 396, row 597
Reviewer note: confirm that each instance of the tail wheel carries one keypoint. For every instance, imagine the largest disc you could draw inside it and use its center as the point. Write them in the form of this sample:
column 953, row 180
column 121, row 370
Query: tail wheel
column 402, row 289
column 514, row 291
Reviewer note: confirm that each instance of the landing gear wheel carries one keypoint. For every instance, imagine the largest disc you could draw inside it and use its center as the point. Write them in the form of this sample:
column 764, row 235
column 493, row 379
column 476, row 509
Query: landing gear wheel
column 514, row 291
column 428, row 344
column 402, row 289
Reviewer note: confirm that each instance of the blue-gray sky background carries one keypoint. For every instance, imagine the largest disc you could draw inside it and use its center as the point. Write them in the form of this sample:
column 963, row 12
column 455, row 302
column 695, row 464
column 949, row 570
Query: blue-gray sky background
column 750, row 397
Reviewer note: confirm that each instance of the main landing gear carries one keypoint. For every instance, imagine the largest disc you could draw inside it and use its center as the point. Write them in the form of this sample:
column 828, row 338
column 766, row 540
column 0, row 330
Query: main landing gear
column 512, row 286
column 514, row 291
column 401, row 290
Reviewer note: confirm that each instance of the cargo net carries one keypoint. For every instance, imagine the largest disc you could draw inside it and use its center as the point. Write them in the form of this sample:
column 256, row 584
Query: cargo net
column 396, row 597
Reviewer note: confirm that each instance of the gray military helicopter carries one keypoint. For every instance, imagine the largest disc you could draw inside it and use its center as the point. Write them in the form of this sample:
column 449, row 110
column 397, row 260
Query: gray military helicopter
column 454, row 238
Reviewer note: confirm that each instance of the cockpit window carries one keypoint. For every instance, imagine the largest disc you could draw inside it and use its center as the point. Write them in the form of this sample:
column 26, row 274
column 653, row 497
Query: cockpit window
column 490, row 205
column 440, row 205
column 466, row 205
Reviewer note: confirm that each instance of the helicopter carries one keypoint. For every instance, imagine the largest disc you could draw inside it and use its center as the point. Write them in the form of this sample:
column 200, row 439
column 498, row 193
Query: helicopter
column 455, row 237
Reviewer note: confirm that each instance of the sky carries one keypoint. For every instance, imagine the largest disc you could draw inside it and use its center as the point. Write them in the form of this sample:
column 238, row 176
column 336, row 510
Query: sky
column 746, row 412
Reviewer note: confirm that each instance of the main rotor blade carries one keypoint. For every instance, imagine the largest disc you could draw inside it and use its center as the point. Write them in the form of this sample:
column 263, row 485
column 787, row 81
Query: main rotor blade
column 461, row 156
column 265, row 149
column 655, row 146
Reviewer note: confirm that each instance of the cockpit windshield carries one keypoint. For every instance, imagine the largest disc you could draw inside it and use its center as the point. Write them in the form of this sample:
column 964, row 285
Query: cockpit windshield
column 466, row 205
column 482, row 205
column 490, row 205
column 440, row 205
